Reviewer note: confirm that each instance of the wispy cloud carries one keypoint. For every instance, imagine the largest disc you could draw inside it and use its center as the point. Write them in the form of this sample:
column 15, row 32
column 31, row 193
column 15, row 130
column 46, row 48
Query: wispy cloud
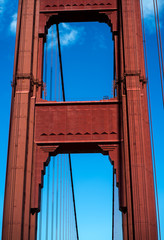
column 148, row 7
column 13, row 23
column 69, row 35
column 2, row 6
column 7, row 10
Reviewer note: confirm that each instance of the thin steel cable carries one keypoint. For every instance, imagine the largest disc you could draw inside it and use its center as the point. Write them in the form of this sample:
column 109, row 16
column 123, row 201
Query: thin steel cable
column 51, row 73
column 113, row 208
column 59, row 89
column 160, row 38
column 155, row 175
column 66, row 213
column 151, row 124
column 45, row 76
column 71, row 221
column 71, row 210
column 63, row 93
column 159, row 55
column 56, row 67
column 45, row 81
column 61, row 67
column 68, row 208
column 57, row 183
column 48, row 174
column 63, row 195
column 53, row 184
column 40, row 219
column 60, row 222
column 73, row 196
column 70, row 218
column 47, row 212
column 72, row 187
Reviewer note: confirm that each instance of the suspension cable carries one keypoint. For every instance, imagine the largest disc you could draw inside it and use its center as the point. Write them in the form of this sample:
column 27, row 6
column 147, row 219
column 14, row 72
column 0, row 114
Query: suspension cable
column 73, row 196
column 63, row 93
column 151, row 125
column 52, row 219
column 45, row 77
column 154, row 164
column 61, row 189
column 47, row 212
column 60, row 60
column 113, row 207
column 160, row 39
column 57, row 198
column 60, row 222
column 52, row 41
column 48, row 170
column 159, row 46
column 64, row 167
column 40, row 219
column 56, row 63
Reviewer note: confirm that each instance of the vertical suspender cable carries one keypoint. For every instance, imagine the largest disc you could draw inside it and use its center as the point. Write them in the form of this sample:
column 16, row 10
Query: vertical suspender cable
column 63, row 92
column 66, row 207
column 151, row 126
column 47, row 212
column 155, row 174
column 59, row 97
column 64, row 168
column 113, row 208
column 45, row 78
column 60, row 197
column 56, row 58
column 57, row 198
column 159, row 50
column 51, row 74
column 45, row 81
column 73, row 196
column 160, row 40
column 40, row 222
column 52, row 216
column 51, row 65
column 48, row 174
column 61, row 68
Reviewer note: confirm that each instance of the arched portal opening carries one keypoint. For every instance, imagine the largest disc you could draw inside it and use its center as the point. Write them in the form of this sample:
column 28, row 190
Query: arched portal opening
column 88, row 69
column 87, row 62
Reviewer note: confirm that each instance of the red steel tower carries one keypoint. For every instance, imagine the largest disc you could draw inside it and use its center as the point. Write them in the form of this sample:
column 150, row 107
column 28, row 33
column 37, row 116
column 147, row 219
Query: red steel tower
column 118, row 127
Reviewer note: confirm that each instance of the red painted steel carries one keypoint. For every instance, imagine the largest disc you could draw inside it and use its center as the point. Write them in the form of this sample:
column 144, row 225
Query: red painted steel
column 118, row 127
column 85, row 127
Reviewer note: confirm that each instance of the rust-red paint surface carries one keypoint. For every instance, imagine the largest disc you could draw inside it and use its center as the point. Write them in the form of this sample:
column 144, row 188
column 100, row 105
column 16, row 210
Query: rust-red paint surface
column 76, row 122
column 73, row 127
column 118, row 127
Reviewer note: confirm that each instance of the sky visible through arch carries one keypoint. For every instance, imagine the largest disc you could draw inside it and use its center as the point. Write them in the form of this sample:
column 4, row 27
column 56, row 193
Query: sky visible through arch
column 92, row 42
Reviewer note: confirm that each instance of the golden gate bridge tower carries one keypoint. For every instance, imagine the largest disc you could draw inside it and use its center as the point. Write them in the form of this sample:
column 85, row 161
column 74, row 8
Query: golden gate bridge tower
column 40, row 128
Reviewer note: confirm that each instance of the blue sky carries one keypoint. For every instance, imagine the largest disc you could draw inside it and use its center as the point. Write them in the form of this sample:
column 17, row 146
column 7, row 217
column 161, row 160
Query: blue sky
column 87, row 52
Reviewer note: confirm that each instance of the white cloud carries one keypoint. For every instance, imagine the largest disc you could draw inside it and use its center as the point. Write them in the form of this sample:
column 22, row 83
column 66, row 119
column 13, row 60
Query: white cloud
column 2, row 5
column 148, row 7
column 13, row 23
column 69, row 35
